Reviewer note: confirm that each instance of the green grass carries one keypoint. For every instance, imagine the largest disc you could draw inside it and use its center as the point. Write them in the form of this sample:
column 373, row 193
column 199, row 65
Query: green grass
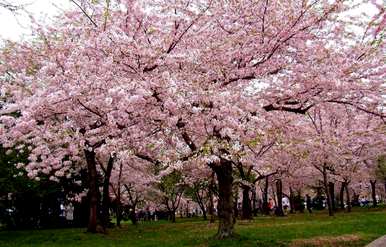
column 353, row 229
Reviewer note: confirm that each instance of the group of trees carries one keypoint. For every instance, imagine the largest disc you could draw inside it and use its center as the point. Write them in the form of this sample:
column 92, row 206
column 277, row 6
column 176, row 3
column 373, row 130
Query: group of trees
column 152, row 97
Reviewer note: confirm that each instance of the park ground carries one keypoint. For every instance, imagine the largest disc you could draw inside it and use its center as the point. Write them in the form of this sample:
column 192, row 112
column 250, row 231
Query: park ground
column 344, row 229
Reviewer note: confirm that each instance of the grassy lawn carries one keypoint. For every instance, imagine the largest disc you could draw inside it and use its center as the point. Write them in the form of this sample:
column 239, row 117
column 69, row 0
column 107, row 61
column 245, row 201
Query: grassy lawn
column 354, row 229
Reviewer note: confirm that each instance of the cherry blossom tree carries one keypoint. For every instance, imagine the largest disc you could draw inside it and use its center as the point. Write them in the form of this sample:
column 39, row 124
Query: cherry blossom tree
column 183, row 81
column 131, row 185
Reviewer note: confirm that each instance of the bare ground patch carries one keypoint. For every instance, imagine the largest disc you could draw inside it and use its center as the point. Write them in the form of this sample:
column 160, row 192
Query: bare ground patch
column 335, row 241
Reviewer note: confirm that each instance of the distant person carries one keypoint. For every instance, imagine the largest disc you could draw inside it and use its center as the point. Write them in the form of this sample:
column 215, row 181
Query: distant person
column 69, row 213
column 285, row 203
column 270, row 205
column 309, row 203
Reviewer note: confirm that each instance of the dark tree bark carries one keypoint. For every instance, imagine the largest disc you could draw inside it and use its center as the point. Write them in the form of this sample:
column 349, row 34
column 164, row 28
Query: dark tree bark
column 246, row 204
column 210, row 208
column 309, row 203
column 118, row 197
column 173, row 216
column 133, row 216
column 341, row 195
column 204, row 214
column 292, row 201
column 199, row 198
column 265, row 196
column 93, row 192
column 279, row 193
column 300, row 202
column 373, row 192
column 348, row 200
column 355, row 200
column 235, row 209
column 211, row 204
column 327, row 191
column 106, row 193
column 225, row 202
column 118, row 212
column 254, row 200
column 187, row 210
column 331, row 187
column 133, row 202
column 200, row 202
column 172, row 203
column 384, row 184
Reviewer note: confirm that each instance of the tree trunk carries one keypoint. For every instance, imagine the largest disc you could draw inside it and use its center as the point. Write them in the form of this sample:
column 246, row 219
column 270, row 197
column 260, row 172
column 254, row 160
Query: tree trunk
column 331, row 187
column 265, row 196
column 235, row 209
column 118, row 213
column 204, row 213
column 348, row 200
column 210, row 208
column 300, row 205
column 355, row 200
column 106, row 194
column 274, row 197
column 246, row 204
column 384, row 184
column 201, row 203
column 292, row 201
column 93, row 192
column 327, row 191
column 279, row 194
column 373, row 195
column 341, row 195
column 254, row 199
column 173, row 216
column 118, row 199
column 211, row 204
column 133, row 216
column 225, row 200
